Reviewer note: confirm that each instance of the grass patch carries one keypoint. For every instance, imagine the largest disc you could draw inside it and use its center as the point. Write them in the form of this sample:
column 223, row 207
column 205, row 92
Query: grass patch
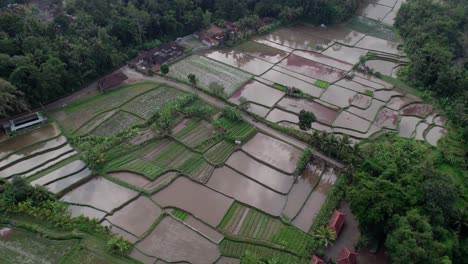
column 369, row 93
column 280, row 87
column 179, row 214
column 372, row 27
column 322, row 84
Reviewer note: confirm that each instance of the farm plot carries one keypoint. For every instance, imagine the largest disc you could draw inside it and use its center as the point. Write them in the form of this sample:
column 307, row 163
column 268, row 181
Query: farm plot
column 218, row 154
column 116, row 123
column 373, row 11
column 195, row 133
column 288, row 80
column 63, row 184
column 352, row 122
column 62, row 172
column 236, row 249
column 245, row 222
column 258, row 93
column 209, row 71
column 202, row 202
column 338, row 96
column 332, row 62
column 279, row 116
column 264, row 52
column 177, row 156
column 150, row 102
column 135, row 164
column 310, row 68
column 240, row 60
column 241, row 131
column 324, row 114
column 298, row 37
column 377, row 44
column 20, row 246
column 372, row 27
column 76, row 115
column 77, row 210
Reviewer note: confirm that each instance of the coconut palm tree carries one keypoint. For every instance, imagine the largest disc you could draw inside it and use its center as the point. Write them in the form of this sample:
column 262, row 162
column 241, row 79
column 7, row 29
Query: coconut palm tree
column 324, row 236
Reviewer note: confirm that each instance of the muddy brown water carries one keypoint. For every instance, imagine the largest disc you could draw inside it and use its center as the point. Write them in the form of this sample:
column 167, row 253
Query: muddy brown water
column 345, row 53
column 258, row 93
column 377, row 44
column 240, row 60
column 374, row 11
column 435, row 134
column 264, row 52
column 311, row 68
column 243, row 189
column 260, row 172
column 68, row 169
column 324, row 114
column 320, row 58
column 396, row 103
column 291, row 81
column 197, row 199
column 387, row 118
column 337, row 33
column 421, row 110
column 279, row 116
column 349, row 121
column 101, row 194
column 306, row 216
column 77, row 210
column 302, row 188
column 136, row 217
column 338, row 96
column 274, row 152
column 408, row 125
column 298, row 37
column 23, row 140
column 172, row 241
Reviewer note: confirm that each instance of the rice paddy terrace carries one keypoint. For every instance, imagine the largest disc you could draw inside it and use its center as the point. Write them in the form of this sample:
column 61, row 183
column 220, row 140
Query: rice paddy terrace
column 209, row 189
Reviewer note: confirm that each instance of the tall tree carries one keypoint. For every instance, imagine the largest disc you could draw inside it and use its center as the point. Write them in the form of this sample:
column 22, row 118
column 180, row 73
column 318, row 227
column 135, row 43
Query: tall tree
column 11, row 100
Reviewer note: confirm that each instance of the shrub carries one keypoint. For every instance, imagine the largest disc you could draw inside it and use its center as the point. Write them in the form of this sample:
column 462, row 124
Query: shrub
column 369, row 93
column 303, row 161
column 118, row 245
column 232, row 113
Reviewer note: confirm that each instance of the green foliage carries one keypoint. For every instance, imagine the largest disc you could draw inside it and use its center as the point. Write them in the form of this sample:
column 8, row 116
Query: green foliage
column 303, row 161
column 164, row 69
column 322, row 84
column 369, row 93
column 324, row 236
column 11, row 100
column 240, row 131
column 232, row 113
column 217, row 89
column 192, row 78
column 280, row 87
column 118, row 245
column 219, row 153
column 306, row 119
column 179, row 214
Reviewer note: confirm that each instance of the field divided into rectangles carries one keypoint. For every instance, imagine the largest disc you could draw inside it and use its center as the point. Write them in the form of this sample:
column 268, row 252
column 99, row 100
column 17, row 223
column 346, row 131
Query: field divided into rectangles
column 210, row 71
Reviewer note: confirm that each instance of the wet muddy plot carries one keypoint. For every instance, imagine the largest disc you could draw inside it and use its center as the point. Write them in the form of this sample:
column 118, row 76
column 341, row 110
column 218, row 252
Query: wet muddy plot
column 14, row 144
column 131, row 178
column 273, row 152
column 259, row 110
column 345, row 53
column 137, row 216
column 287, row 80
column 435, row 134
column 440, row 121
column 386, row 95
column 354, row 86
column 172, row 241
column 77, row 210
column 398, row 102
column 389, row 3
column 352, row 122
column 390, row 18
column 376, row 44
column 298, row 37
column 324, row 114
column 68, row 169
column 362, row 101
column 278, row 116
column 101, row 194
column 240, row 60
column 311, row 68
column 320, row 58
column 408, row 125
column 136, row 254
column 370, row 113
column 306, row 216
column 302, row 188
column 264, row 52
column 384, row 67
column 357, row 135
column 338, row 96
column 259, row 172
column 374, row 11
column 420, row 110
column 337, row 33
column 370, row 78
column 321, row 127
column 258, row 93
column 275, row 45
column 202, row 202
column 68, row 182
column 420, row 130
column 387, row 118
column 204, row 229
column 245, row 190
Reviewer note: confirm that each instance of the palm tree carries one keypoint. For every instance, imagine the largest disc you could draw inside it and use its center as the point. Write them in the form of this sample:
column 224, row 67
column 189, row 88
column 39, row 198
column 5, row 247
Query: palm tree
column 324, row 236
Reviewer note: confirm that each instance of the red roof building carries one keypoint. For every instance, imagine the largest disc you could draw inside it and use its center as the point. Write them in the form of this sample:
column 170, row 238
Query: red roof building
column 112, row 80
column 316, row 260
column 347, row 257
column 336, row 222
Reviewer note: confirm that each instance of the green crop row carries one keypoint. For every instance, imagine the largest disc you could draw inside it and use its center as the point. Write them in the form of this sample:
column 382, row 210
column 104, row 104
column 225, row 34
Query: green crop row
column 294, row 239
column 180, row 214
column 322, row 84
column 220, row 152
column 241, row 131
column 280, row 87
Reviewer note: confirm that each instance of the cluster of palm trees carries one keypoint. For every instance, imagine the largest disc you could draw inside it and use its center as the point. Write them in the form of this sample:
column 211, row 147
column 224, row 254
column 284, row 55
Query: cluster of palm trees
column 339, row 147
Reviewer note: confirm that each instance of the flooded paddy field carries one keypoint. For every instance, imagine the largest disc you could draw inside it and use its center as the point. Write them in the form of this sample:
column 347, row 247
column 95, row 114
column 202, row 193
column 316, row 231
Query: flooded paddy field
column 307, row 67
column 278, row 75
column 324, row 114
column 240, row 60
column 298, row 37
column 338, row 96
column 258, row 93
column 261, row 51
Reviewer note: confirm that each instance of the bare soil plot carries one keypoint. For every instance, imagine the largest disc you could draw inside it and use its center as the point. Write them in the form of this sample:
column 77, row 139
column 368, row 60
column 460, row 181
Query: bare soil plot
column 408, row 125
column 118, row 122
column 284, row 79
column 68, row 182
column 440, row 121
column 101, row 194
column 233, row 184
column 210, row 71
column 264, row 52
column 150, row 102
column 377, row 44
column 349, row 121
column 298, row 37
column 323, row 59
column 21, row 141
column 420, row 110
column 77, row 210
column 373, row 11
column 324, row 114
column 278, row 116
column 258, row 93
column 172, row 241
column 387, row 118
column 435, row 134
column 259, row 172
column 200, row 201
column 137, row 216
column 338, row 96
column 274, row 152
column 345, row 53
column 68, row 169
column 310, row 68
column 240, row 60
column 370, row 113
column 306, row 216
column 302, row 188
